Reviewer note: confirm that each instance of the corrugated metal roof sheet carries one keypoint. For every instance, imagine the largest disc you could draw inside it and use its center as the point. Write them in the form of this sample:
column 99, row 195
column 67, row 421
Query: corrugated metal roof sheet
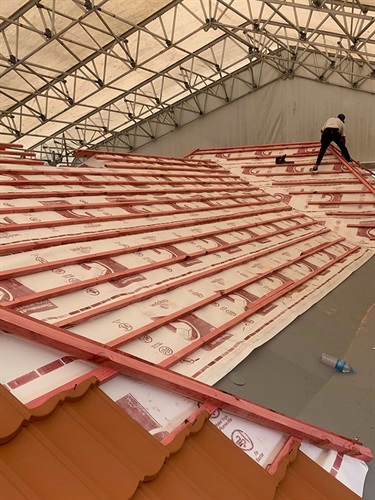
column 80, row 444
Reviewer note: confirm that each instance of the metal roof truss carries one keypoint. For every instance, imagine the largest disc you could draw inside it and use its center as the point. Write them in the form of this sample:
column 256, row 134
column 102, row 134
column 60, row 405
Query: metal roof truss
column 84, row 73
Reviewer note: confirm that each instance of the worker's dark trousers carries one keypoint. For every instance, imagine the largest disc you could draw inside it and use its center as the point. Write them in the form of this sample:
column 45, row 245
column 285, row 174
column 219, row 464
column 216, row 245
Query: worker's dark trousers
column 329, row 135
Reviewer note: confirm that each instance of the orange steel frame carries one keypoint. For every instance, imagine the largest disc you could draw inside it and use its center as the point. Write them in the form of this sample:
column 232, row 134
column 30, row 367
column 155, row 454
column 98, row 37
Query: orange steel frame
column 82, row 348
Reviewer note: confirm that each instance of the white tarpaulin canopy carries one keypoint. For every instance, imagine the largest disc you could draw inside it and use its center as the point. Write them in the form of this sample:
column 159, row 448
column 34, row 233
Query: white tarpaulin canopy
column 79, row 72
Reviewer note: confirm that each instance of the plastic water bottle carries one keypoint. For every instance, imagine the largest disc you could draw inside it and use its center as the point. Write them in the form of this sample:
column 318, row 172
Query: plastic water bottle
column 337, row 363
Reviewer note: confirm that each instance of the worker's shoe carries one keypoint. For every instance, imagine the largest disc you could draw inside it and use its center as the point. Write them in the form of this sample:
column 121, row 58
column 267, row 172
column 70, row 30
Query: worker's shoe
column 314, row 168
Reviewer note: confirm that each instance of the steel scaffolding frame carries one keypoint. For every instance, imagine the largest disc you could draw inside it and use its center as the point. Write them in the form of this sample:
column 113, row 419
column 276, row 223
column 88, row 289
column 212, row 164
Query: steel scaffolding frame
column 81, row 74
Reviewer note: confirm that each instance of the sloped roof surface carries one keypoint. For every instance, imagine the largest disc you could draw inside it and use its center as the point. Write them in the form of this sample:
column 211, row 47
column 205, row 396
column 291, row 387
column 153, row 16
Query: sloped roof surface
column 79, row 73
column 176, row 261
column 341, row 195
column 82, row 445
column 155, row 267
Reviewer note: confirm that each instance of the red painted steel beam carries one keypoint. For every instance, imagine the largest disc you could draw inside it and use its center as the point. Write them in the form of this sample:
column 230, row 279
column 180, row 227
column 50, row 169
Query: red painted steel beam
column 63, row 182
column 128, row 216
column 219, row 295
column 118, row 192
column 20, row 161
column 315, row 182
column 156, row 157
column 363, row 224
column 16, row 153
column 279, row 165
column 153, row 166
column 87, row 170
column 351, row 214
column 32, row 245
column 360, row 177
column 342, row 202
column 82, row 317
column 120, row 204
column 45, row 266
column 72, row 287
column 334, row 191
column 258, row 147
column 88, row 153
column 35, row 330
column 163, row 160
column 5, row 145
column 106, row 278
column 292, row 155
column 255, row 306
column 306, row 172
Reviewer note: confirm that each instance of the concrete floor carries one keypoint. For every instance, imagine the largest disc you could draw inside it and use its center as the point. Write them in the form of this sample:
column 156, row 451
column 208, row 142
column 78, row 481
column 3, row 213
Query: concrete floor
column 286, row 374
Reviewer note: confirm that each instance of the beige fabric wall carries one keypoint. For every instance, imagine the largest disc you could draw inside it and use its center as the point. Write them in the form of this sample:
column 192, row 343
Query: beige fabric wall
column 284, row 111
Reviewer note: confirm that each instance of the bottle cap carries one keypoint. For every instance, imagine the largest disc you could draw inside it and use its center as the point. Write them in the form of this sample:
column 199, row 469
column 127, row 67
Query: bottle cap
column 340, row 365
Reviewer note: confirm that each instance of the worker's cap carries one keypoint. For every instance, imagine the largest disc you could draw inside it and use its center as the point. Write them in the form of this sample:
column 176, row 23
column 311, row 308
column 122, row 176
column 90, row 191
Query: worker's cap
column 341, row 117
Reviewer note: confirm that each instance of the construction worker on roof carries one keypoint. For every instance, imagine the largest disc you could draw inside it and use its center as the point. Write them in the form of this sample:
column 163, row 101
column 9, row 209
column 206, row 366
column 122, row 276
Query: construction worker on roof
column 332, row 130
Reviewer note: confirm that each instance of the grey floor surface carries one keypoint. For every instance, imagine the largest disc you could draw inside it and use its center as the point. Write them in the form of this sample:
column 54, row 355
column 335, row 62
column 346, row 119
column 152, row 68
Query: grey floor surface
column 286, row 374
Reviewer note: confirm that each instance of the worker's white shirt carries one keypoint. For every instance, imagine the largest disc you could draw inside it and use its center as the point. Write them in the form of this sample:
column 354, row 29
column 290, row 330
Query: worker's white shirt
column 335, row 123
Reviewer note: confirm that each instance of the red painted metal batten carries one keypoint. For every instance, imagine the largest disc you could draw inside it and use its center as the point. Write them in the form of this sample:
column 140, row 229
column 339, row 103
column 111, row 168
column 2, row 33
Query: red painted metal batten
column 342, row 202
column 6, row 145
column 363, row 224
column 296, row 174
column 315, row 182
column 133, row 203
column 78, row 182
column 256, row 306
column 57, row 338
column 351, row 214
column 219, row 295
column 118, row 192
column 80, row 318
column 49, row 242
column 333, row 191
column 279, row 165
column 45, row 266
column 20, row 161
column 258, row 147
column 16, row 153
column 128, row 216
column 87, row 170
column 353, row 170
column 55, row 292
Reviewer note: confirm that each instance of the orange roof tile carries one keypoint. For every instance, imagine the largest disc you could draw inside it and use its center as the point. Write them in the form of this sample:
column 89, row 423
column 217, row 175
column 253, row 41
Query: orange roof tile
column 81, row 445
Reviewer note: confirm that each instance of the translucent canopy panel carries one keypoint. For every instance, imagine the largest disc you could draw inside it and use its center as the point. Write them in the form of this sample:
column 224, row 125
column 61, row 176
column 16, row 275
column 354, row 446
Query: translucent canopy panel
column 78, row 72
